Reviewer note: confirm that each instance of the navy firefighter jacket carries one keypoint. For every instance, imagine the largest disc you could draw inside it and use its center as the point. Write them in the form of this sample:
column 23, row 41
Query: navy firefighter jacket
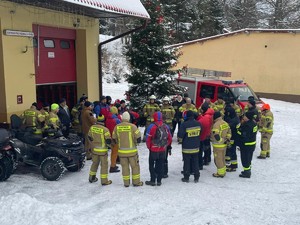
column 189, row 132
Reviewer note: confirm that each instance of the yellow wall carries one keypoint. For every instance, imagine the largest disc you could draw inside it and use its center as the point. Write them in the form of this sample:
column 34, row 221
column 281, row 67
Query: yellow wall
column 269, row 62
column 19, row 67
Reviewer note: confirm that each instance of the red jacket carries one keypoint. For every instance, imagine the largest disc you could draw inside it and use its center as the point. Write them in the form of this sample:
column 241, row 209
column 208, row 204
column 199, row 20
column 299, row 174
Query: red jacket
column 111, row 121
column 151, row 130
column 206, row 121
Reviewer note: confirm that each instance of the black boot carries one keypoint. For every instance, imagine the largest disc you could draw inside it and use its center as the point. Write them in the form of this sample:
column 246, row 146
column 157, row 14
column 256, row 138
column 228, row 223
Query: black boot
column 231, row 168
column 185, row 179
column 196, row 179
column 114, row 169
column 150, row 183
column 93, row 179
column 245, row 174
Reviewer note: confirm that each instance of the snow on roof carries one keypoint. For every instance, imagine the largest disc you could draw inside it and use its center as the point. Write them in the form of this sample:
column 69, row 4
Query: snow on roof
column 246, row 31
column 126, row 7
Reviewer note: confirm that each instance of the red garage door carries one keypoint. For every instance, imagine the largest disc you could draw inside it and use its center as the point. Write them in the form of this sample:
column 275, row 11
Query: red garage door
column 55, row 64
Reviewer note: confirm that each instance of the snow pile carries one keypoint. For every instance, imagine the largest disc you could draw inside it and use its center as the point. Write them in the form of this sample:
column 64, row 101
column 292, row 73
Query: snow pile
column 28, row 209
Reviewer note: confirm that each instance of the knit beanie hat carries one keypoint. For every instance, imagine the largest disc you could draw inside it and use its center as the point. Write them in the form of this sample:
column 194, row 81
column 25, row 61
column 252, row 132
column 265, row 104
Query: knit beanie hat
column 114, row 110
column 54, row 106
column 125, row 117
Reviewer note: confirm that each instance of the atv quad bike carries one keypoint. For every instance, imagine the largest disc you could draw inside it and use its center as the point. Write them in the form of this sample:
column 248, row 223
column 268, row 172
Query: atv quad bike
column 6, row 157
column 52, row 154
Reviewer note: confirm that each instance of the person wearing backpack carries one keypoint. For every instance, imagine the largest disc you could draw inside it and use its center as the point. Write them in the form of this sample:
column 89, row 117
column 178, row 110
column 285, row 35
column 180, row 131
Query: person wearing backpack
column 189, row 132
column 158, row 140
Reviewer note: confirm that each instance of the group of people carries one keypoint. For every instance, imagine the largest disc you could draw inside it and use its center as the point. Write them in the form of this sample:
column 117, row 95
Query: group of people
column 103, row 125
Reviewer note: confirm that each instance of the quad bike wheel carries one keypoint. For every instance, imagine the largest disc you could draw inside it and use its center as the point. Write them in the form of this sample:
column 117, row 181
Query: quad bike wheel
column 52, row 168
column 6, row 168
column 77, row 167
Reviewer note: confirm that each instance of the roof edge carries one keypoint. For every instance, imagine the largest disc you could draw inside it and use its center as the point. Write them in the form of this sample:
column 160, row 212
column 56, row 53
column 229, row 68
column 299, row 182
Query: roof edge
column 246, row 30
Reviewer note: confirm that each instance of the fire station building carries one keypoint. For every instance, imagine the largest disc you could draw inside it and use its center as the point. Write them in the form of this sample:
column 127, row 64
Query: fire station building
column 268, row 60
column 49, row 49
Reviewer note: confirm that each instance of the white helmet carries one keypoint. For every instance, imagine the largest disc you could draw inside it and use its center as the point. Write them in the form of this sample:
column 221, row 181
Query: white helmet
column 152, row 97
column 166, row 99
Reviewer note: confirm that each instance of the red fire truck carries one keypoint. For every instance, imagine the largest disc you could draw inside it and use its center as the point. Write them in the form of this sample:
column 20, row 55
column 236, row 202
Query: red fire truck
column 202, row 83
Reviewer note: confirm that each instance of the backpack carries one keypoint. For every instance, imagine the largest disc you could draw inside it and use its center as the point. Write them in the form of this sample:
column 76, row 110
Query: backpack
column 160, row 137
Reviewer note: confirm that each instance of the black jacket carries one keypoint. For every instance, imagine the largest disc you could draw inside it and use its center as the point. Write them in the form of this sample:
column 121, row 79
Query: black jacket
column 64, row 117
column 190, row 140
column 176, row 105
column 233, row 120
column 247, row 133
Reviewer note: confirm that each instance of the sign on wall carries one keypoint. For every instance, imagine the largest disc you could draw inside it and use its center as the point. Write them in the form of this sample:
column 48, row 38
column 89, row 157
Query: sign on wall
column 18, row 33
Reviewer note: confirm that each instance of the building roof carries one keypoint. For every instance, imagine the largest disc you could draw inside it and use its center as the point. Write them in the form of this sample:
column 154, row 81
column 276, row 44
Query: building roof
column 93, row 8
column 246, row 31
column 123, row 7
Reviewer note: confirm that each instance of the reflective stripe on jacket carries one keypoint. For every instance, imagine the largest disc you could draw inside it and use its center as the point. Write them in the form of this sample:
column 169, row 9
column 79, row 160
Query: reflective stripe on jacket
column 220, row 128
column 126, row 135
column 100, row 139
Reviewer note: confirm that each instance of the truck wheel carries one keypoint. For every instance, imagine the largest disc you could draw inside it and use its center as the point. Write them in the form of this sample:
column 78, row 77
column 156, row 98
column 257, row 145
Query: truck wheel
column 77, row 167
column 52, row 168
column 6, row 168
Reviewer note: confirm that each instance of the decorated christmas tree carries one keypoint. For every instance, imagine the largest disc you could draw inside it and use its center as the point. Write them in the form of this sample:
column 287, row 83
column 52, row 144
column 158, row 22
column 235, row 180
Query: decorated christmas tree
column 150, row 60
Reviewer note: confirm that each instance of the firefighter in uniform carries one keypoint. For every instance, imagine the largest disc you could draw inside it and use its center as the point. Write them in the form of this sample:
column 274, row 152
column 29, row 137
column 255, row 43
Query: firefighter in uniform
column 45, row 111
column 220, row 136
column 247, row 131
column 237, row 108
column 219, row 105
column 76, row 113
column 32, row 118
column 127, row 136
column 148, row 111
column 100, row 139
column 168, row 112
column 266, row 129
column 251, row 106
column 178, row 115
column 207, row 100
column 188, row 106
column 87, row 120
column 233, row 120
column 44, row 115
column 189, row 132
column 53, row 120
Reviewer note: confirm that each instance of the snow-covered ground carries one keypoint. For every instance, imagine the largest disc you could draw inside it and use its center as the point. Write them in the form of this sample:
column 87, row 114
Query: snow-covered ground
column 271, row 196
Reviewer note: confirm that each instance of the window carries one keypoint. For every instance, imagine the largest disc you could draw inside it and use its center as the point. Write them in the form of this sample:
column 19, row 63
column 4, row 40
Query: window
column 35, row 42
column 242, row 93
column 225, row 93
column 49, row 44
column 65, row 44
column 207, row 90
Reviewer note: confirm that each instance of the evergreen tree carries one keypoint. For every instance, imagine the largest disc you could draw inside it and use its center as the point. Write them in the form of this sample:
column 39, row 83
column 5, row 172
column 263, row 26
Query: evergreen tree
column 207, row 18
column 150, row 60
column 179, row 15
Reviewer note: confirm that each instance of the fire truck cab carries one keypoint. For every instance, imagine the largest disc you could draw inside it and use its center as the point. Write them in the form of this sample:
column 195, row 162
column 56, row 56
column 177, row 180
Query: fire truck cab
column 199, row 87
